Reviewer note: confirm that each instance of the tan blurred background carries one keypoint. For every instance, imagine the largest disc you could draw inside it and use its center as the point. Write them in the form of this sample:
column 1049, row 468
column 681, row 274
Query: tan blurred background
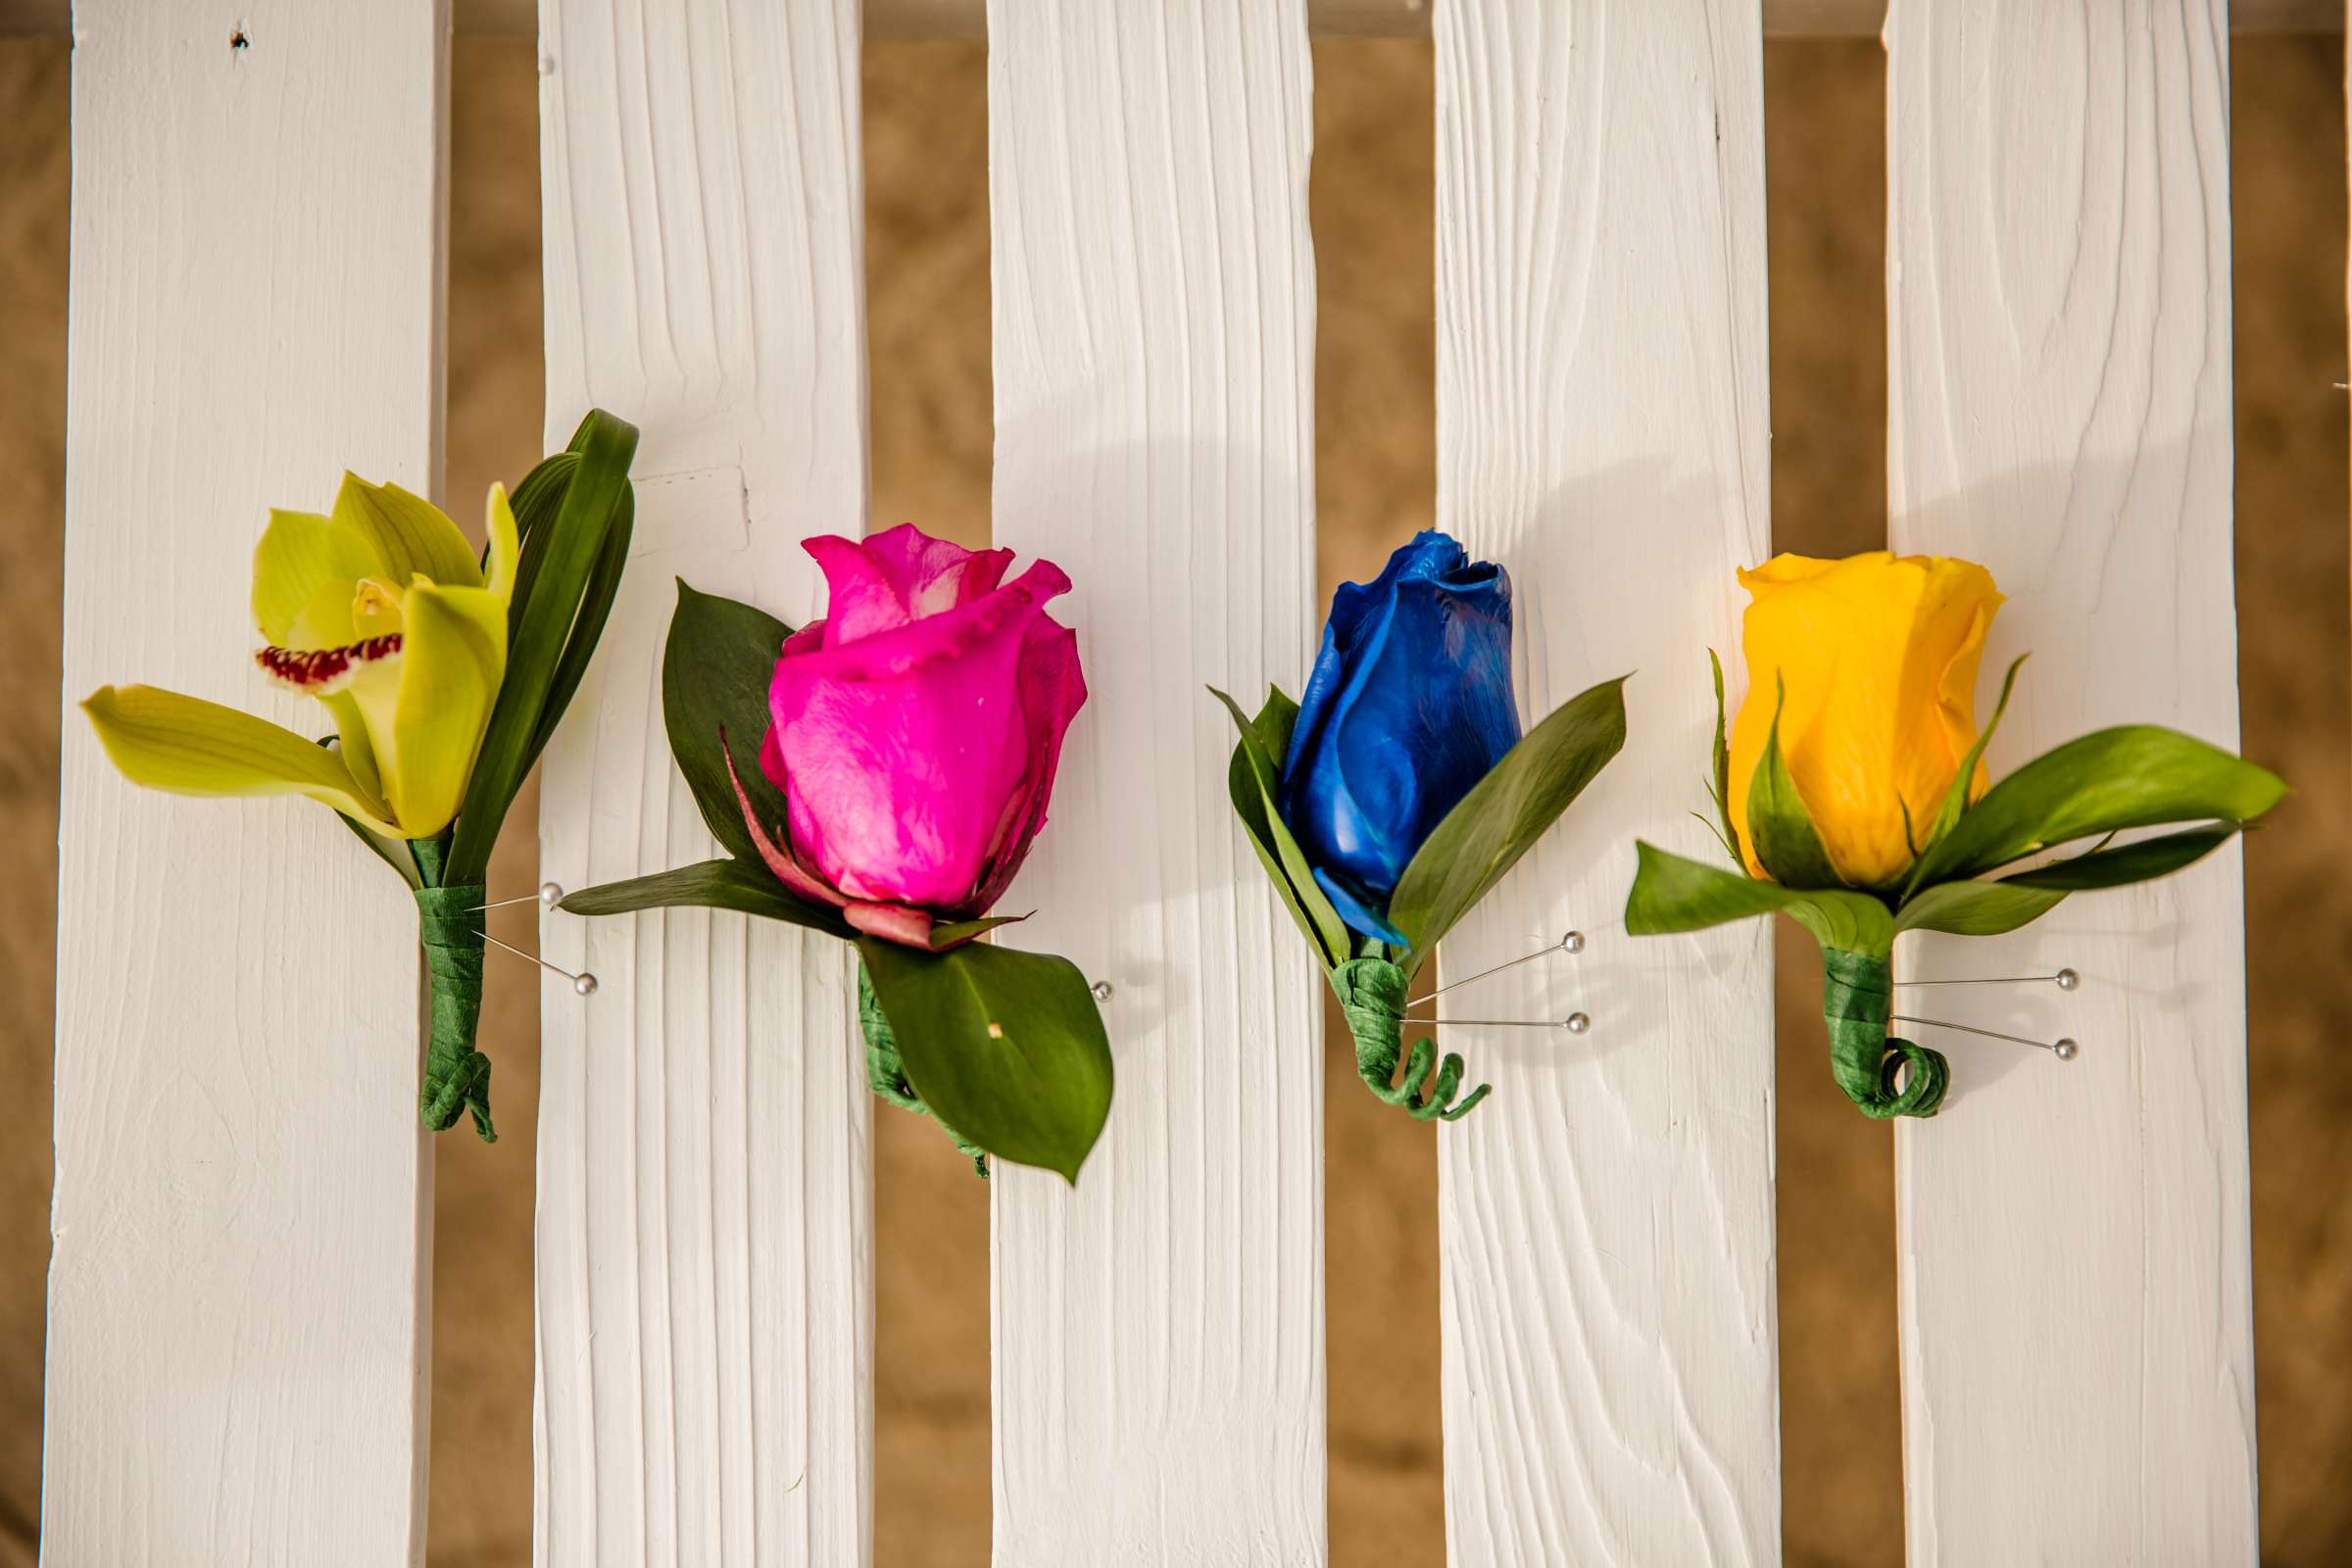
column 928, row 273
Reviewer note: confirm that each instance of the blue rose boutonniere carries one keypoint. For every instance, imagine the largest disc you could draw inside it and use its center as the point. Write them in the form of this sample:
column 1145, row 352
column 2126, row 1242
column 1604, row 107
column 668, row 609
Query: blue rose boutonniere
column 1401, row 791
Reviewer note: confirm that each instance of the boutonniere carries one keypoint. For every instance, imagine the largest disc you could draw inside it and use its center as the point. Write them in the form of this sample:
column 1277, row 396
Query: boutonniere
column 878, row 776
column 1853, row 796
column 1397, row 792
column 443, row 674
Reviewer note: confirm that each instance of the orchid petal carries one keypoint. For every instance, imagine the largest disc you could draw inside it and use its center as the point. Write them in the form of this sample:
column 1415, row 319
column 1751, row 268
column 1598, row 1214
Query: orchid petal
column 506, row 545
column 166, row 741
column 304, row 559
column 453, row 657
column 414, row 537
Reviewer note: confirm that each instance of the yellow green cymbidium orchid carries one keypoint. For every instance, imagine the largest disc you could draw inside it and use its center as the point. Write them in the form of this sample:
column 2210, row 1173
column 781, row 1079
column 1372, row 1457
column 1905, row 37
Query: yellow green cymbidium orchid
column 380, row 611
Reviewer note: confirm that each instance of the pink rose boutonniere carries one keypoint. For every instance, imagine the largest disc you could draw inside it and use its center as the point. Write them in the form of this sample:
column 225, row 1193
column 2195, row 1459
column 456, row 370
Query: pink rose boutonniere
column 905, row 749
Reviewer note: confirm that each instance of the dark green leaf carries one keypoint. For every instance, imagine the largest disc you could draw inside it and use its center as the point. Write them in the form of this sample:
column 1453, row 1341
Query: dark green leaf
column 716, row 672
column 2135, row 775
column 1673, row 893
column 1955, row 797
column 1721, row 793
column 534, row 501
column 2143, row 862
column 1504, row 813
column 709, row 885
column 392, row 851
column 1006, row 1046
column 588, row 627
column 550, row 584
column 1254, row 780
column 1779, row 828
column 1974, row 909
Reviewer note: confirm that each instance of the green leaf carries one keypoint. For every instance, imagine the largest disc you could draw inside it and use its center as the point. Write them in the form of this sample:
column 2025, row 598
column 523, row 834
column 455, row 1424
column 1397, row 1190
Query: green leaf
column 716, row 672
column 1779, row 829
column 1503, row 815
column 1955, row 798
column 1254, row 780
column 1721, row 790
column 1974, row 909
column 2143, row 862
column 549, row 585
column 588, row 626
column 1674, row 893
column 1006, row 1046
column 709, row 885
column 2134, row 775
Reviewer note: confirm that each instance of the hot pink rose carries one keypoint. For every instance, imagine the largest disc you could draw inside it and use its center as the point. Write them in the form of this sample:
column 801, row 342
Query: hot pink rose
column 915, row 730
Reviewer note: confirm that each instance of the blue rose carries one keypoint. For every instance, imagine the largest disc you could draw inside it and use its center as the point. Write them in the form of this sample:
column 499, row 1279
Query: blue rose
column 1408, row 708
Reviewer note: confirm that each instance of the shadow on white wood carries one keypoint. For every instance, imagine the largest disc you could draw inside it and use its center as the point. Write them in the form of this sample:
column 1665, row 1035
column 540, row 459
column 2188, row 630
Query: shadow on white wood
column 1606, row 1216
column 237, row 1340
column 705, row 1246
column 1158, row 1331
column 2078, row 1354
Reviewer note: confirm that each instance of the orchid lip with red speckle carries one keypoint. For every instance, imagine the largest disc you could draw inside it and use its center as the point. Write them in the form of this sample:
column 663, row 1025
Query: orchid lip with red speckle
column 324, row 672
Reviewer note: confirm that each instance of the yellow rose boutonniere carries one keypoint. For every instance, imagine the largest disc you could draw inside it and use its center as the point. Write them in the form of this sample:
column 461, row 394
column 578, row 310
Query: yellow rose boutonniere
column 1852, row 795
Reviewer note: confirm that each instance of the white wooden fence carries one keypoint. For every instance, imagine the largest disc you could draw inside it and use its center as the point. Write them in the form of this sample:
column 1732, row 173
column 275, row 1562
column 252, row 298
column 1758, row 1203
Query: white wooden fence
column 237, row 1338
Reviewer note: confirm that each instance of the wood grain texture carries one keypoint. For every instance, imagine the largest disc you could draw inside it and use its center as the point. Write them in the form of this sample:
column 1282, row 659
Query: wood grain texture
column 237, row 1346
column 1159, row 1329
column 705, row 1255
column 2074, row 1261
column 1606, row 1217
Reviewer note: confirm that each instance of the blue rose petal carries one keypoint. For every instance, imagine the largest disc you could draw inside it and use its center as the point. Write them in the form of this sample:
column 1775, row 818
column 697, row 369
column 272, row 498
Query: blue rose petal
column 1408, row 707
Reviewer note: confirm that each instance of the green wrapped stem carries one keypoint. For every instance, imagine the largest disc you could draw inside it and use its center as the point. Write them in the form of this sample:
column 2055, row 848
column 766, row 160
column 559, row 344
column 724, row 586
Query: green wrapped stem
column 1372, row 997
column 456, row 1076
column 1858, row 994
column 887, row 1075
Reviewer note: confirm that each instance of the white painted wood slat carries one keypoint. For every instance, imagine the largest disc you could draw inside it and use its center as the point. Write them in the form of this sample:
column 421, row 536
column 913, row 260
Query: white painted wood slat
column 1606, row 1215
column 1158, row 1331
column 2075, row 1275
column 238, row 1334
column 705, row 1253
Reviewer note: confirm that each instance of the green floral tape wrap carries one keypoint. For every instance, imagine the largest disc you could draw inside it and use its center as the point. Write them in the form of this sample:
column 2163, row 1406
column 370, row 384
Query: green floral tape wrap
column 1372, row 997
column 1858, row 993
column 456, row 1076
column 886, row 1075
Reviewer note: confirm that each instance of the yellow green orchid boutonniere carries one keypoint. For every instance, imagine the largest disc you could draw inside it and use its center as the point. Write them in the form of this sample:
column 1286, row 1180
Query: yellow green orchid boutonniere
column 444, row 675
column 1853, row 796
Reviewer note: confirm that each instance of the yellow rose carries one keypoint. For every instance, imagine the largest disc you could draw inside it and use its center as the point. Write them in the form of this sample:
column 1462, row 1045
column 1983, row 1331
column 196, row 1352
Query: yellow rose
column 1876, row 657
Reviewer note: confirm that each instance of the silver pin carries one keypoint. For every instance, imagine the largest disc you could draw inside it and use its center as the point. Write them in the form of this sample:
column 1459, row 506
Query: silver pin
column 549, row 896
column 1576, row 1023
column 1572, row 943
column 2064, row 980
column 584, row 983
column 2064, row 1048
column 1101, row 990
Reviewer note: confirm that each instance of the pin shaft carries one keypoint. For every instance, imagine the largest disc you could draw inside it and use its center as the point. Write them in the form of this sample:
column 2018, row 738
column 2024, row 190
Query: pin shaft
column 583, row 982
column 1972, row 1029
column 1573, row 941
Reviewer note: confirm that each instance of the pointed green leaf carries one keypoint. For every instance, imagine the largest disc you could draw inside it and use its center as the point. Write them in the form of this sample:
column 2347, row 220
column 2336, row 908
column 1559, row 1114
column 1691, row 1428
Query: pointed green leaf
column 1955, row 798
column 716, row 672
column 1976, row 908
column 1006, row 1046
column 1722, row 792
column 550, row 581
column 2134, row 775
column 588, row 626
column 1254, row 780
column 1674, row 893
column 1504, row 813
column 735, row 885
column 1779, row 827
column 2142, row 861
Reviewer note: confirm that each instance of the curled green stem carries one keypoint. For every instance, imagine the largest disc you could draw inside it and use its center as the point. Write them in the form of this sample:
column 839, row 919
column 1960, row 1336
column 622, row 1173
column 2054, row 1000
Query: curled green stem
column 886, row 1074
column 1881, row 1072
column 1372, row 994
column 457, row 1075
